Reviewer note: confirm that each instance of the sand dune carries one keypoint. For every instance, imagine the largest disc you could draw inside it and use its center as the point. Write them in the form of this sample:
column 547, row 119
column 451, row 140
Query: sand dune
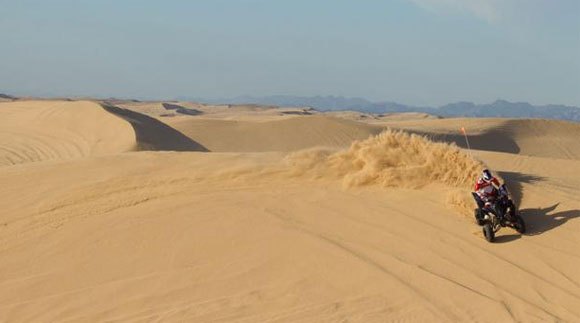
column 151, row 134
column 271, row 132
column 372, row 118
column 370, row 231
column 32, row 131
column 221, row 112
column 542, row 138
column 54, row 130
column 283, row 134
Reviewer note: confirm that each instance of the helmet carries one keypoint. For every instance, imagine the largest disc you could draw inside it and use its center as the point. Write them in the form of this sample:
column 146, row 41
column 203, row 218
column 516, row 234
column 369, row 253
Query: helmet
column 486, row 175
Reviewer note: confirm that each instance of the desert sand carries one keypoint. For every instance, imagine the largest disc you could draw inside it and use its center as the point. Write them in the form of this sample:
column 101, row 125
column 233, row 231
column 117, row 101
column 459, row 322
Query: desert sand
column 181, row 212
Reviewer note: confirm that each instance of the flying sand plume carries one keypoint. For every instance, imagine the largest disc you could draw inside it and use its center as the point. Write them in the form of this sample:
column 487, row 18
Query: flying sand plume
column 390, row 159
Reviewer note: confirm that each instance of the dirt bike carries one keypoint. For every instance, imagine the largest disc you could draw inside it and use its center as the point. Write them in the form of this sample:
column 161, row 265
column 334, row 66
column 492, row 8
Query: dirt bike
column 501, row 213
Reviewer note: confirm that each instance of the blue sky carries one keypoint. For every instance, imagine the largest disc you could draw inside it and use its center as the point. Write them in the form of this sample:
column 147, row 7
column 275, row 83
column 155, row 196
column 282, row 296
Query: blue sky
column 422, row 52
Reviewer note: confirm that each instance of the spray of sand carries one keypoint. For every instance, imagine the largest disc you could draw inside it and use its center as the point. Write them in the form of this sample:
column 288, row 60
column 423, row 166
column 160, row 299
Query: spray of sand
column 390, row 159
column 394, row 159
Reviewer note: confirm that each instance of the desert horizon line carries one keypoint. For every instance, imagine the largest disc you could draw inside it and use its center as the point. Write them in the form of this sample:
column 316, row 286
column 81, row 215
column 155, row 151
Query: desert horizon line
column 226, row 100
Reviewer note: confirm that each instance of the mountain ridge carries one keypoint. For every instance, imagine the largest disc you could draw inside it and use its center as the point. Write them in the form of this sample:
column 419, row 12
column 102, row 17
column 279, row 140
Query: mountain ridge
column 499, row 108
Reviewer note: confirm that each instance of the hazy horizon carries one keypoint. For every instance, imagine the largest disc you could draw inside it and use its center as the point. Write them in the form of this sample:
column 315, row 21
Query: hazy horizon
column 208, row 100
column 415, row 52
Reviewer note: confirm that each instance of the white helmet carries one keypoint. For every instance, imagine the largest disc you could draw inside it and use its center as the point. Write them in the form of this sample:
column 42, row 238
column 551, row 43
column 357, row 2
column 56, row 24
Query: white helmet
column 486, row 175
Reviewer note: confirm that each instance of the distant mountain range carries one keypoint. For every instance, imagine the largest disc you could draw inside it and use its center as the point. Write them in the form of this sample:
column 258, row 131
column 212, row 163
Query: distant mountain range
column 6, row 96
column 499, row 108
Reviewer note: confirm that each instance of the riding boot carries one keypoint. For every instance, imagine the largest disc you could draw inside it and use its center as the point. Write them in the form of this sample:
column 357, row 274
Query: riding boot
column 478, row 216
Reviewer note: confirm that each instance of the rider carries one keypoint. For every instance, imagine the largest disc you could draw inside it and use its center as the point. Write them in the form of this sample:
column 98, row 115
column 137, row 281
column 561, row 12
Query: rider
column 485, row 192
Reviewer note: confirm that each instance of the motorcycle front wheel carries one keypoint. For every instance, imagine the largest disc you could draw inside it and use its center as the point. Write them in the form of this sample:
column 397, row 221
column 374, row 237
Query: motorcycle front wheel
column 488, row 232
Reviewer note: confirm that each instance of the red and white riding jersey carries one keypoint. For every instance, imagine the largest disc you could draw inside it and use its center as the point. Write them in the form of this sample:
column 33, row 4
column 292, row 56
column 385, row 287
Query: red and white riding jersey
column 486, row 189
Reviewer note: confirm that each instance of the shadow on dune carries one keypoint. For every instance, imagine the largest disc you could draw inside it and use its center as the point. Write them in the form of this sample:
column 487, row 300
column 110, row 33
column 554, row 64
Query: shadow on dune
column 514, row 181
column 541, row 220
column 153, row 134
column 301, row 113
column 507, row 238
column 537, row 220
column 181, row 109
column 500, row 139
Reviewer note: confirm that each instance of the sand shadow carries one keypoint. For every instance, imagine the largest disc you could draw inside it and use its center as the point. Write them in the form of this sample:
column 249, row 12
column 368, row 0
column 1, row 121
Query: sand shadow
column 537, row 220
column 181, row 109
column 301, row 113
column 498, row 139
column 514, row 180
column 152, row 134
column 507, row 238
column 542, row 220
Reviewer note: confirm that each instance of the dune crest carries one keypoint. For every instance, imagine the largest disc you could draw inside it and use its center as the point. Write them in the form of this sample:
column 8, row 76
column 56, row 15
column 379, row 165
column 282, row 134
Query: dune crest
column 531, row 137
column 32, row 131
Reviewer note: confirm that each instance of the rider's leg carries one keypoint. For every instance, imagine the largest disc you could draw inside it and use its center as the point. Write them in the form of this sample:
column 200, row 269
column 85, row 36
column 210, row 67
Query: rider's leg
column 498, row 210
column 479, row 210
column 478, row 200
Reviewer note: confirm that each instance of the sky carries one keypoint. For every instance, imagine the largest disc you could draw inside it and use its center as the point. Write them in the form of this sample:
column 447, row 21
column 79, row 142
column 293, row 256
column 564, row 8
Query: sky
column 417, row 52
